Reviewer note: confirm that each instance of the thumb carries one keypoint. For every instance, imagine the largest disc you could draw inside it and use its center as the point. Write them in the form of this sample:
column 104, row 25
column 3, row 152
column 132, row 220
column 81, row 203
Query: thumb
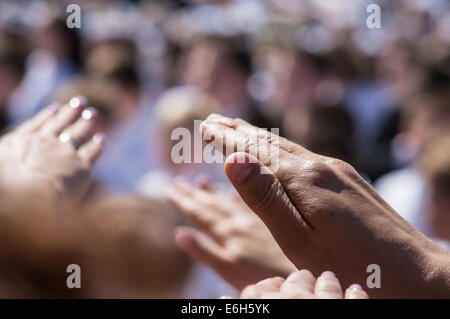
column 265, row 195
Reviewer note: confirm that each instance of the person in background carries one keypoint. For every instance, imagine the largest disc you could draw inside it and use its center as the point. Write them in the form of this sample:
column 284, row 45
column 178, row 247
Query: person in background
column 426, row 117
column 112, row 66
column 434, row 163
column 13, row 54
column 55, row 59
column 326, row 130
column 177, row 109
column 221, row 66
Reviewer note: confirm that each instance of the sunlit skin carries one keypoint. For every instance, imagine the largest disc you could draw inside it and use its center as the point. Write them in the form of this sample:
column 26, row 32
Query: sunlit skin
column 303, row 285
column 40, row 157
column 324, row 215
column 230, row 238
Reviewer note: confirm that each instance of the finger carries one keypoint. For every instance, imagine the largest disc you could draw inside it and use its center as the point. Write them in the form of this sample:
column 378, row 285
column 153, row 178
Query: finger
column 271, row 284
column 40, row 119
column 201, row 248
column 328, row 286
column 264, row 194
column 82, row 129
column 281, row 157
column 232, row 192
column 245, row 131
column 202, row 218
column 204, row 182
column 205, row 201
column 90, row 151
column 182, row 186
column 251, row 292
column 235, row 135
column 299, row 284
column 65, row 116
column 263, row 289
column 355, row 291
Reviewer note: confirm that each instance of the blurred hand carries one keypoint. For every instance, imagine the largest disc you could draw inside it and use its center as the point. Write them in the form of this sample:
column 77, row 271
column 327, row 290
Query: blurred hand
column 51, row 154
column 324, row 215
column 303, row 285
column 232, row 240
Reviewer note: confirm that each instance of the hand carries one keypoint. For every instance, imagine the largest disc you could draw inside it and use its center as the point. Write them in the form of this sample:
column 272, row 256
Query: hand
column 324, row 215
column 232, row 240
column 303, row 285
column 51, row 154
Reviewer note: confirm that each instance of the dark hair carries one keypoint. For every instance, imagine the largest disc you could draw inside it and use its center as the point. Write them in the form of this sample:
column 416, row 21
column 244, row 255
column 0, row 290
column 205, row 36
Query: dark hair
column 13, row 53
column 71, row 40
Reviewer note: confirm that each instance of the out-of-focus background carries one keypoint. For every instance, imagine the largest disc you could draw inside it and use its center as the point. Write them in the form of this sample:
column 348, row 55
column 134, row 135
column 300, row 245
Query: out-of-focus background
column 377, row 98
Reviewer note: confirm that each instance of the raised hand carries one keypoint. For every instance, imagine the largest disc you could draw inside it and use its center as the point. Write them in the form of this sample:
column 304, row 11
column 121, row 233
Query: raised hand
column 51, row 154
column 324, row 215
column 231, row 239
column 303, row 285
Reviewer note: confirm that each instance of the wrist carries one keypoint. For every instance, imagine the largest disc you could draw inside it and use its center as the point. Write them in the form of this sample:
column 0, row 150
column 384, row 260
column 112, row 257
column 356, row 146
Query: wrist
column 437, row 276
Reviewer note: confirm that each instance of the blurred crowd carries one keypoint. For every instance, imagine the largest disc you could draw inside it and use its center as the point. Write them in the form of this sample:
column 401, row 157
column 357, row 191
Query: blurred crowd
column 377, row 98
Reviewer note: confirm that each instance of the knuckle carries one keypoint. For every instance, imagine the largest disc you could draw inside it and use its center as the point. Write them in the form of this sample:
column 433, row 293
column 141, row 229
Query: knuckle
column 323, row 170
column 318, row 170
column 340, row 166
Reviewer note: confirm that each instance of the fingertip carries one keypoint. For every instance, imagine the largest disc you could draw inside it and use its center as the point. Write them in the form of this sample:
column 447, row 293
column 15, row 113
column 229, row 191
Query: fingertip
column 302, row 273
column 53, row 108
column 184, row 238
column 93, row 148
column 181, row 184
column 204, row 182
column 89, row 113
column 99, row 139
column 78, row 101
column 355, row 291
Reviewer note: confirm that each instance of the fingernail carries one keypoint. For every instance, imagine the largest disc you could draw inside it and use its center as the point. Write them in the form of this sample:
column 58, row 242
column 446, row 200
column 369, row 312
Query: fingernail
column 99, row 138
column 328, row 273
column 279, row 278
column 89, row 113
column 355, row 287
column 239, row 173
column 77, row 101
column 303, row 270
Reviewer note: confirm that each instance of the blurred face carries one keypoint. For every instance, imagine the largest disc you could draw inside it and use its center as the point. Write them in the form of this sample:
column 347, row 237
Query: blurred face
column 291, row 81
column 278, row 64
column 427, row 126
column 50, row 40
column 199, row 66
